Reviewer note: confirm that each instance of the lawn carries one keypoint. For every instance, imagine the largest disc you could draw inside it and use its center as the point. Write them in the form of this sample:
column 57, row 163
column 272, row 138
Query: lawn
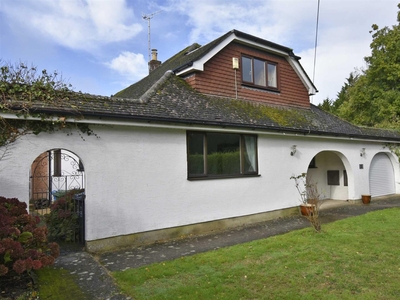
column 58, row 284
column 355, row 258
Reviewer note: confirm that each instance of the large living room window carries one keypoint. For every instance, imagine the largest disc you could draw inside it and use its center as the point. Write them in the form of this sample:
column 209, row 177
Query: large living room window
column 215, row 155
column 259, row 72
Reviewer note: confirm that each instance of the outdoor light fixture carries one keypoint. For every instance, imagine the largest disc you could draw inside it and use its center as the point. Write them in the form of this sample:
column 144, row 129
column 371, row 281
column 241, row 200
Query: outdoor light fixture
column 362, row 152
column 293, row 148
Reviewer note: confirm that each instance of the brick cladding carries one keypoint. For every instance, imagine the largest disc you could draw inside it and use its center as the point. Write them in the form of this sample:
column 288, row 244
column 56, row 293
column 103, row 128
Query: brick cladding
column 218, row 78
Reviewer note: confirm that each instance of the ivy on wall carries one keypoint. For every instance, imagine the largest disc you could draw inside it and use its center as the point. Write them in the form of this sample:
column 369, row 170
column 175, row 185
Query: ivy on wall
column 24, row 92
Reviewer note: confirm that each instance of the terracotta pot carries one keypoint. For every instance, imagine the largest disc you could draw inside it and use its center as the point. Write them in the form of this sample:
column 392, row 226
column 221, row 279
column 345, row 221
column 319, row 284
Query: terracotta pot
column 307, row 209
column 366, row 199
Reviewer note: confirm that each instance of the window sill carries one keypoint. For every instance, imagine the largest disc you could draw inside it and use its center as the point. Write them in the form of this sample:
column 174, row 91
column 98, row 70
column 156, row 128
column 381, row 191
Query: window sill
column 221, row 177
column 261, row 88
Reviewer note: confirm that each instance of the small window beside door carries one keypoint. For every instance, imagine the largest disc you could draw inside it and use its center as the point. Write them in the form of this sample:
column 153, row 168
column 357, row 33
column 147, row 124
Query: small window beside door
column 333, row 177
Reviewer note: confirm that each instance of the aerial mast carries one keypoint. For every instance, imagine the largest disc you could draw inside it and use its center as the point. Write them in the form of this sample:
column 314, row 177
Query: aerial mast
column 148, row 18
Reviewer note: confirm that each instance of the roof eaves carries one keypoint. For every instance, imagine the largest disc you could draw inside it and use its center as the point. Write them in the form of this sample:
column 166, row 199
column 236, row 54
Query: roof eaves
column 201, row 57
column 197, row 64
column 263, row 42
column 298, row 68
column 267, row 128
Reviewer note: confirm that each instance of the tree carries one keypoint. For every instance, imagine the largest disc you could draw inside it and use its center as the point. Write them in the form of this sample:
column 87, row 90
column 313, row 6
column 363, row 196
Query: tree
column 331, row 105
column 372, row 98
column 326, row 105
column 343, row 95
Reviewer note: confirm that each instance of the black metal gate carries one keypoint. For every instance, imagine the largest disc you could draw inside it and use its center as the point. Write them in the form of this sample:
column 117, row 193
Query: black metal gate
column 54, row 174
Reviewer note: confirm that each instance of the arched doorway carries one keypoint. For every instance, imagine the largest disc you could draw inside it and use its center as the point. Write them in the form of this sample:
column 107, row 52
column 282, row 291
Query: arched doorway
column 381, row 176
column 53, row 174
column 328, row 170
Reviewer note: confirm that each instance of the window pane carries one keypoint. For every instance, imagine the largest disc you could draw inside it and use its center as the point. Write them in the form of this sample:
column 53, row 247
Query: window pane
column 333, row 177
column 57, row 162
column 196, row 153
column 272, row 75
column 247, row 69
column 223, row 154
column 346, row 182
column 259, row 72
column 250, row 159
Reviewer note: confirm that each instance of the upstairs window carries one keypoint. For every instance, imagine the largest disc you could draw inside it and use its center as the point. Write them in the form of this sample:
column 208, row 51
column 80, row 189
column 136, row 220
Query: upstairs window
column 259, row 72
column 215, row 155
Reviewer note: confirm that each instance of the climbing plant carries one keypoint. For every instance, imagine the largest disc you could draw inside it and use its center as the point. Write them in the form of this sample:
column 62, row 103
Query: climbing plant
column 25, row 93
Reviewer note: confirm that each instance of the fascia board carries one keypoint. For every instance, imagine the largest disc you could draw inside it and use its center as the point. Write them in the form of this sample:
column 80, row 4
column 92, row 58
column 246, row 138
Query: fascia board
column 262, row 46
column 198, row 65
column 302, row 75
column 221, row 128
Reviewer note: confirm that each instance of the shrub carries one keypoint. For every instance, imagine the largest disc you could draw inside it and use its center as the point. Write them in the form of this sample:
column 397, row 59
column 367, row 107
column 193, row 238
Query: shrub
column 23, row 243
column 62, row 220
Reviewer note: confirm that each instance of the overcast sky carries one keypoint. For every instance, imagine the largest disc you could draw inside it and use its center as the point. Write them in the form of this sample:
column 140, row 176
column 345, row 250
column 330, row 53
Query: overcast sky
column 101, row 46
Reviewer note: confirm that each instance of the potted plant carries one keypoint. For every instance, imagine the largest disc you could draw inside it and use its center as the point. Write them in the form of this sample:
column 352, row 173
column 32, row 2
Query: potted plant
column 366, row 199
column 310, row 199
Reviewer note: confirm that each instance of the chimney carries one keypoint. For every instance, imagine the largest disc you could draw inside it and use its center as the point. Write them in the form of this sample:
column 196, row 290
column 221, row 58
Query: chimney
column 154, row 63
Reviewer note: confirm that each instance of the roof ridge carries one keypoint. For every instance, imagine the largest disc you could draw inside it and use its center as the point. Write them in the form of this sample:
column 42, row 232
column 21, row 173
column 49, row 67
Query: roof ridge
column 152, row 90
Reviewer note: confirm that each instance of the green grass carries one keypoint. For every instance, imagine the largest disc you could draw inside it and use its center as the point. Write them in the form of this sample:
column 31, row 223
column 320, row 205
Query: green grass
column 58, row 284
column 355, row 258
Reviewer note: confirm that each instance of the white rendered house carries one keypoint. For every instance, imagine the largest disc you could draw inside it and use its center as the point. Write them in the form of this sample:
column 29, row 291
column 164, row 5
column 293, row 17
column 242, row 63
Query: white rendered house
column 209, row 140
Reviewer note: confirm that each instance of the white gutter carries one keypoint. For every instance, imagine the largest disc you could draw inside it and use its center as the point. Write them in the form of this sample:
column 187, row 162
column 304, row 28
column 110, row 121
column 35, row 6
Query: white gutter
column 215, row 128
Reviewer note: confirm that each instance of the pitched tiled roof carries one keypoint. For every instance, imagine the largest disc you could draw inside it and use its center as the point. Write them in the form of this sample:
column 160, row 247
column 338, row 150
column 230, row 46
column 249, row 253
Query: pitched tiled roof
column 183, row 58
column 174, row 101
column 164, row 97
column 186, row 57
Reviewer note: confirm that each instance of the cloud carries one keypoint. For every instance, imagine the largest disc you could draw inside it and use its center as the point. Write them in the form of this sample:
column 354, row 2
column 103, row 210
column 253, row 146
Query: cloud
column 130, row 65
column 343, row 39
column 343, row 43
column 82, row 25
column 274, row 20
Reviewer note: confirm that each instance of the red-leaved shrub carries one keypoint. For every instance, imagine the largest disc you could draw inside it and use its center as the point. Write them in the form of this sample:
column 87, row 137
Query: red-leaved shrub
column 63, row 221
column 23, row 243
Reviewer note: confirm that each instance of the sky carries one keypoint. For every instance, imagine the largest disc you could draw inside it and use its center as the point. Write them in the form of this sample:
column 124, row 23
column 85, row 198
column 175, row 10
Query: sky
column 101, row 46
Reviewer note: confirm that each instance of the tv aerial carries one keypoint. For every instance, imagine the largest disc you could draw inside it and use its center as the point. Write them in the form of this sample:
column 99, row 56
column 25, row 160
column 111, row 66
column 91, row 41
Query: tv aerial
column 148, row 18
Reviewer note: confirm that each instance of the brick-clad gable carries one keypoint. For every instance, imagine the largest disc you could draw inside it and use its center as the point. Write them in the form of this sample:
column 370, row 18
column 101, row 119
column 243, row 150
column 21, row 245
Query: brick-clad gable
column 218, row 79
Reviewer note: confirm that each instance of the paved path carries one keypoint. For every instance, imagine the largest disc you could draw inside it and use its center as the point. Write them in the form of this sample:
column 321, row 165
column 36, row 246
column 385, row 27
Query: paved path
column 92, row 271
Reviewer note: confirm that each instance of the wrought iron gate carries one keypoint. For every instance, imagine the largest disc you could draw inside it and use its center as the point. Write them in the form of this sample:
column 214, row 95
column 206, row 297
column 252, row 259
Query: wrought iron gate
column 53, row 174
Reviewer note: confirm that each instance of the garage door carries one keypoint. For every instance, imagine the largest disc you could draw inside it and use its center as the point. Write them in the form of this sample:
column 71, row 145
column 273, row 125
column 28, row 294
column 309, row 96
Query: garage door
column 381, row 176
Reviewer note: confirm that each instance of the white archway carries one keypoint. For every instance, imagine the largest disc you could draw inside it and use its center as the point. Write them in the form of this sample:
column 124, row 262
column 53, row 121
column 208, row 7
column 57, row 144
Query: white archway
column 333, row 174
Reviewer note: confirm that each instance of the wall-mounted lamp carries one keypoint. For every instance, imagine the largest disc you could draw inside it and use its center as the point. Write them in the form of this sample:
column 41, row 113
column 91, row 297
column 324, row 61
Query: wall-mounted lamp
column 362, row 152
column 293, row 148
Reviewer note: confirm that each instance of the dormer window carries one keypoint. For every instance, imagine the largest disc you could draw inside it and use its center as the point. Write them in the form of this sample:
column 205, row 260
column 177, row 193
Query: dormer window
column 259, row 72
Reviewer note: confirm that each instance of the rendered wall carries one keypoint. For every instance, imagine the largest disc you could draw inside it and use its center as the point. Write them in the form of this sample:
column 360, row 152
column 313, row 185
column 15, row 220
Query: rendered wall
column 136, row 178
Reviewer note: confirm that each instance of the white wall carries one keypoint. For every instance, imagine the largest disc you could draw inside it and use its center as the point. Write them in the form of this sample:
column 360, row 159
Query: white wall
column 136, row 178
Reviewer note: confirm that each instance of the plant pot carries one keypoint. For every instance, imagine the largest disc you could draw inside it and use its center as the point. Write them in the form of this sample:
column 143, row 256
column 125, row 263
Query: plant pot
column 366, row 199
column 307, row 209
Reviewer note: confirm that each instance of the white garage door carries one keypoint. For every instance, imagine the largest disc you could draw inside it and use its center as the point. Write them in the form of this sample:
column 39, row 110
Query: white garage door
column 381, row 176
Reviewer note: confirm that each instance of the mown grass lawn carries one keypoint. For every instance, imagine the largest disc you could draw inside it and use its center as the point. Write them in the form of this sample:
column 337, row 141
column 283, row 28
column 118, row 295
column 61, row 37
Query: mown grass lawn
column 355, row 258
column 58, row 284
